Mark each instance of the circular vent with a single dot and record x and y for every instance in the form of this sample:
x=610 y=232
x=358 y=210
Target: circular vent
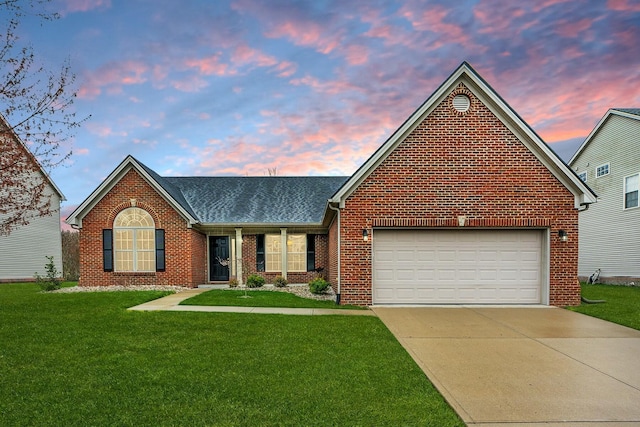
x=461 y=103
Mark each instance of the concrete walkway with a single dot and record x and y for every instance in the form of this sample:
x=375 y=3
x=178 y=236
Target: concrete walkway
x=519 y=367
x=172 y=303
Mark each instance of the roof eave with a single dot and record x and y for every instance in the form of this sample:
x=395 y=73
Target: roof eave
x=597 y=128
x=465 y=73
x=75 y=218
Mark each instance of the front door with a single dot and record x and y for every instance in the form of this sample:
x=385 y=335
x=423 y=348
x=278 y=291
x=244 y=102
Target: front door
x=219 y=258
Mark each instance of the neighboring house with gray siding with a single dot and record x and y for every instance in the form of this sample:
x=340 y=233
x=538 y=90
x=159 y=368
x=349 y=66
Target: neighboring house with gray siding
x=609 y=162
x=23 y=252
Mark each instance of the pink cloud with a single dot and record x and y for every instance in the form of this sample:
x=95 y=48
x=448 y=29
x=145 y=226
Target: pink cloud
x=210 y=66
x=623 y=5
x=81 y=151
x=329 y=87
x=286 y=69
x=244 y=54
x=573 y=29
x=72 y=6
x=189 y=84
x=112 y=77
x=356 y=54
x=305 y=33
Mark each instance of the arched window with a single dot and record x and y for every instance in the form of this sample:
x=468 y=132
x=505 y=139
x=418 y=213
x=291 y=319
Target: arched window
x=134 y=241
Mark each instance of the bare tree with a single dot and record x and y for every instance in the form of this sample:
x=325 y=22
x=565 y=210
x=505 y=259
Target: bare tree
x=36 y=118
x=272 y=171
x=71 y=255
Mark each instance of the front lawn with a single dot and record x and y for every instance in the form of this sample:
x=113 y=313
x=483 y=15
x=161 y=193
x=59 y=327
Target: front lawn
x=82 y=359
x=261 y=299
x=622 y=304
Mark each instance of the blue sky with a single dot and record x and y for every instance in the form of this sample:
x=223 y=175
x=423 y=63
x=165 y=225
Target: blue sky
x=314 y=87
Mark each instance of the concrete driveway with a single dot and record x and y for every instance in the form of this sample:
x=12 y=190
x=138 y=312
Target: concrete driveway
x=524 y=366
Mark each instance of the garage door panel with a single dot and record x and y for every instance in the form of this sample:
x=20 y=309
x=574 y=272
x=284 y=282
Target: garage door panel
x=452 y=266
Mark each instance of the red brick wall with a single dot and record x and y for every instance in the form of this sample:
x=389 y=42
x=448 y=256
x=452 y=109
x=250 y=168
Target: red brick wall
x=184 y=248
x=454 y=165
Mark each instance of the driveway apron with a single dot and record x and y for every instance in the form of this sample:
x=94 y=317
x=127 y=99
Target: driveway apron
x=530 y=366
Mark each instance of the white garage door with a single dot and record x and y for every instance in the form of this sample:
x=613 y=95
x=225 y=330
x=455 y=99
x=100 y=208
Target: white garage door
x=457 y=266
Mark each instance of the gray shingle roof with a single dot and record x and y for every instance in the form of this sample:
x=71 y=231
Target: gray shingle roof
x=634 y=111
x=255 y=200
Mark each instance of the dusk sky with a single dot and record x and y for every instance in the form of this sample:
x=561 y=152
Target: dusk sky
x=236 y=87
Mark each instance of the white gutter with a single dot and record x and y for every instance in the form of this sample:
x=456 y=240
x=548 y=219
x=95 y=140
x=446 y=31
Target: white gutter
x=339 y=287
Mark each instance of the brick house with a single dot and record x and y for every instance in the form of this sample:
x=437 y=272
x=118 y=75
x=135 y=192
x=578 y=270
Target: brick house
x=464 y=203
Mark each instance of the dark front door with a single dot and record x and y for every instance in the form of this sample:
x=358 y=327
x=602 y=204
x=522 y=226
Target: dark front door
x=219 y=258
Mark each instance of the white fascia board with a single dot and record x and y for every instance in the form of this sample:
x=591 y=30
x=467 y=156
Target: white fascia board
x=582 y=193
x=75 y=218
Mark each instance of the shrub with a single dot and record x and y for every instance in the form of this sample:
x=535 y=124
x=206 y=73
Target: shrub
x=280 y=282
x=52 y=280
x=255 y=281
x=318 y=286
x=233 y=283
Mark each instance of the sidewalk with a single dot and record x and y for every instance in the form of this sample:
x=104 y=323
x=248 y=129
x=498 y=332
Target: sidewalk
x=172 y=303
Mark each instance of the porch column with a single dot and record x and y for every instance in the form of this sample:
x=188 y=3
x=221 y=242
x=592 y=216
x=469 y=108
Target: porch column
x=238 y=259
x=283 y=250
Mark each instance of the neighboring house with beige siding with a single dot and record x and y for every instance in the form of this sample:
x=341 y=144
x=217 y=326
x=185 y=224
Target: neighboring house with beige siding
x=24 y=250
x=609 y=162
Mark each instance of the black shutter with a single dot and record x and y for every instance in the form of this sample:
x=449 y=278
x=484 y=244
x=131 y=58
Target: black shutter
x=107 y=250
x=260 y=252
x=311 y=252
x=160 y=250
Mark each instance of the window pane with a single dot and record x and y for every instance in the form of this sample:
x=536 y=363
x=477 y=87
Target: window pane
x=273 y=256
x=124 y=260
x=631 y=191
x=631 y=200
x=124 y=240
x=296 y=252
x=145 y=239
x=146 y=261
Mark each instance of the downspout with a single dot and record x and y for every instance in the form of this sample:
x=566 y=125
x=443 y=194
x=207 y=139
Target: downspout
x=339 y=275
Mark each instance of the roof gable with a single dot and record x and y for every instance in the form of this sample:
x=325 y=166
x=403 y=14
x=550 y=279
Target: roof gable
x=167 y=192
x=472 y=81
x=5 y=128
x=228 y=200
x=630 y=113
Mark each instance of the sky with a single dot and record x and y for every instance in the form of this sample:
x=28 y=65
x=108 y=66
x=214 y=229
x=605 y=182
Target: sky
x=238 y=87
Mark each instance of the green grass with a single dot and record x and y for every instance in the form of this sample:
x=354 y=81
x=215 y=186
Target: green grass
x=622 y=306
x=82 y=359
x=261 y=299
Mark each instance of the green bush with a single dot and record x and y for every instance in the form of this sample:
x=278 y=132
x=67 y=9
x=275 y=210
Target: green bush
x=280 y=282
x=255 y=281
x=52 y=280
x=233 y=283
x=318 y=286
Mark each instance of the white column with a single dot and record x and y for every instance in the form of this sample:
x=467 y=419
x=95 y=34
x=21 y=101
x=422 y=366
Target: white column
x=283 y=246
x=238 y=259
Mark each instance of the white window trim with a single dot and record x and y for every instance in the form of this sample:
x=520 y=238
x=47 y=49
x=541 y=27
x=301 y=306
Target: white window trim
x=601 y=166
x=624 y=191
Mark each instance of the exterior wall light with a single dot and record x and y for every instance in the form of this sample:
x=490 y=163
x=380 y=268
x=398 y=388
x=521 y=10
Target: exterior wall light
x=562 y=235
x=365 y=235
